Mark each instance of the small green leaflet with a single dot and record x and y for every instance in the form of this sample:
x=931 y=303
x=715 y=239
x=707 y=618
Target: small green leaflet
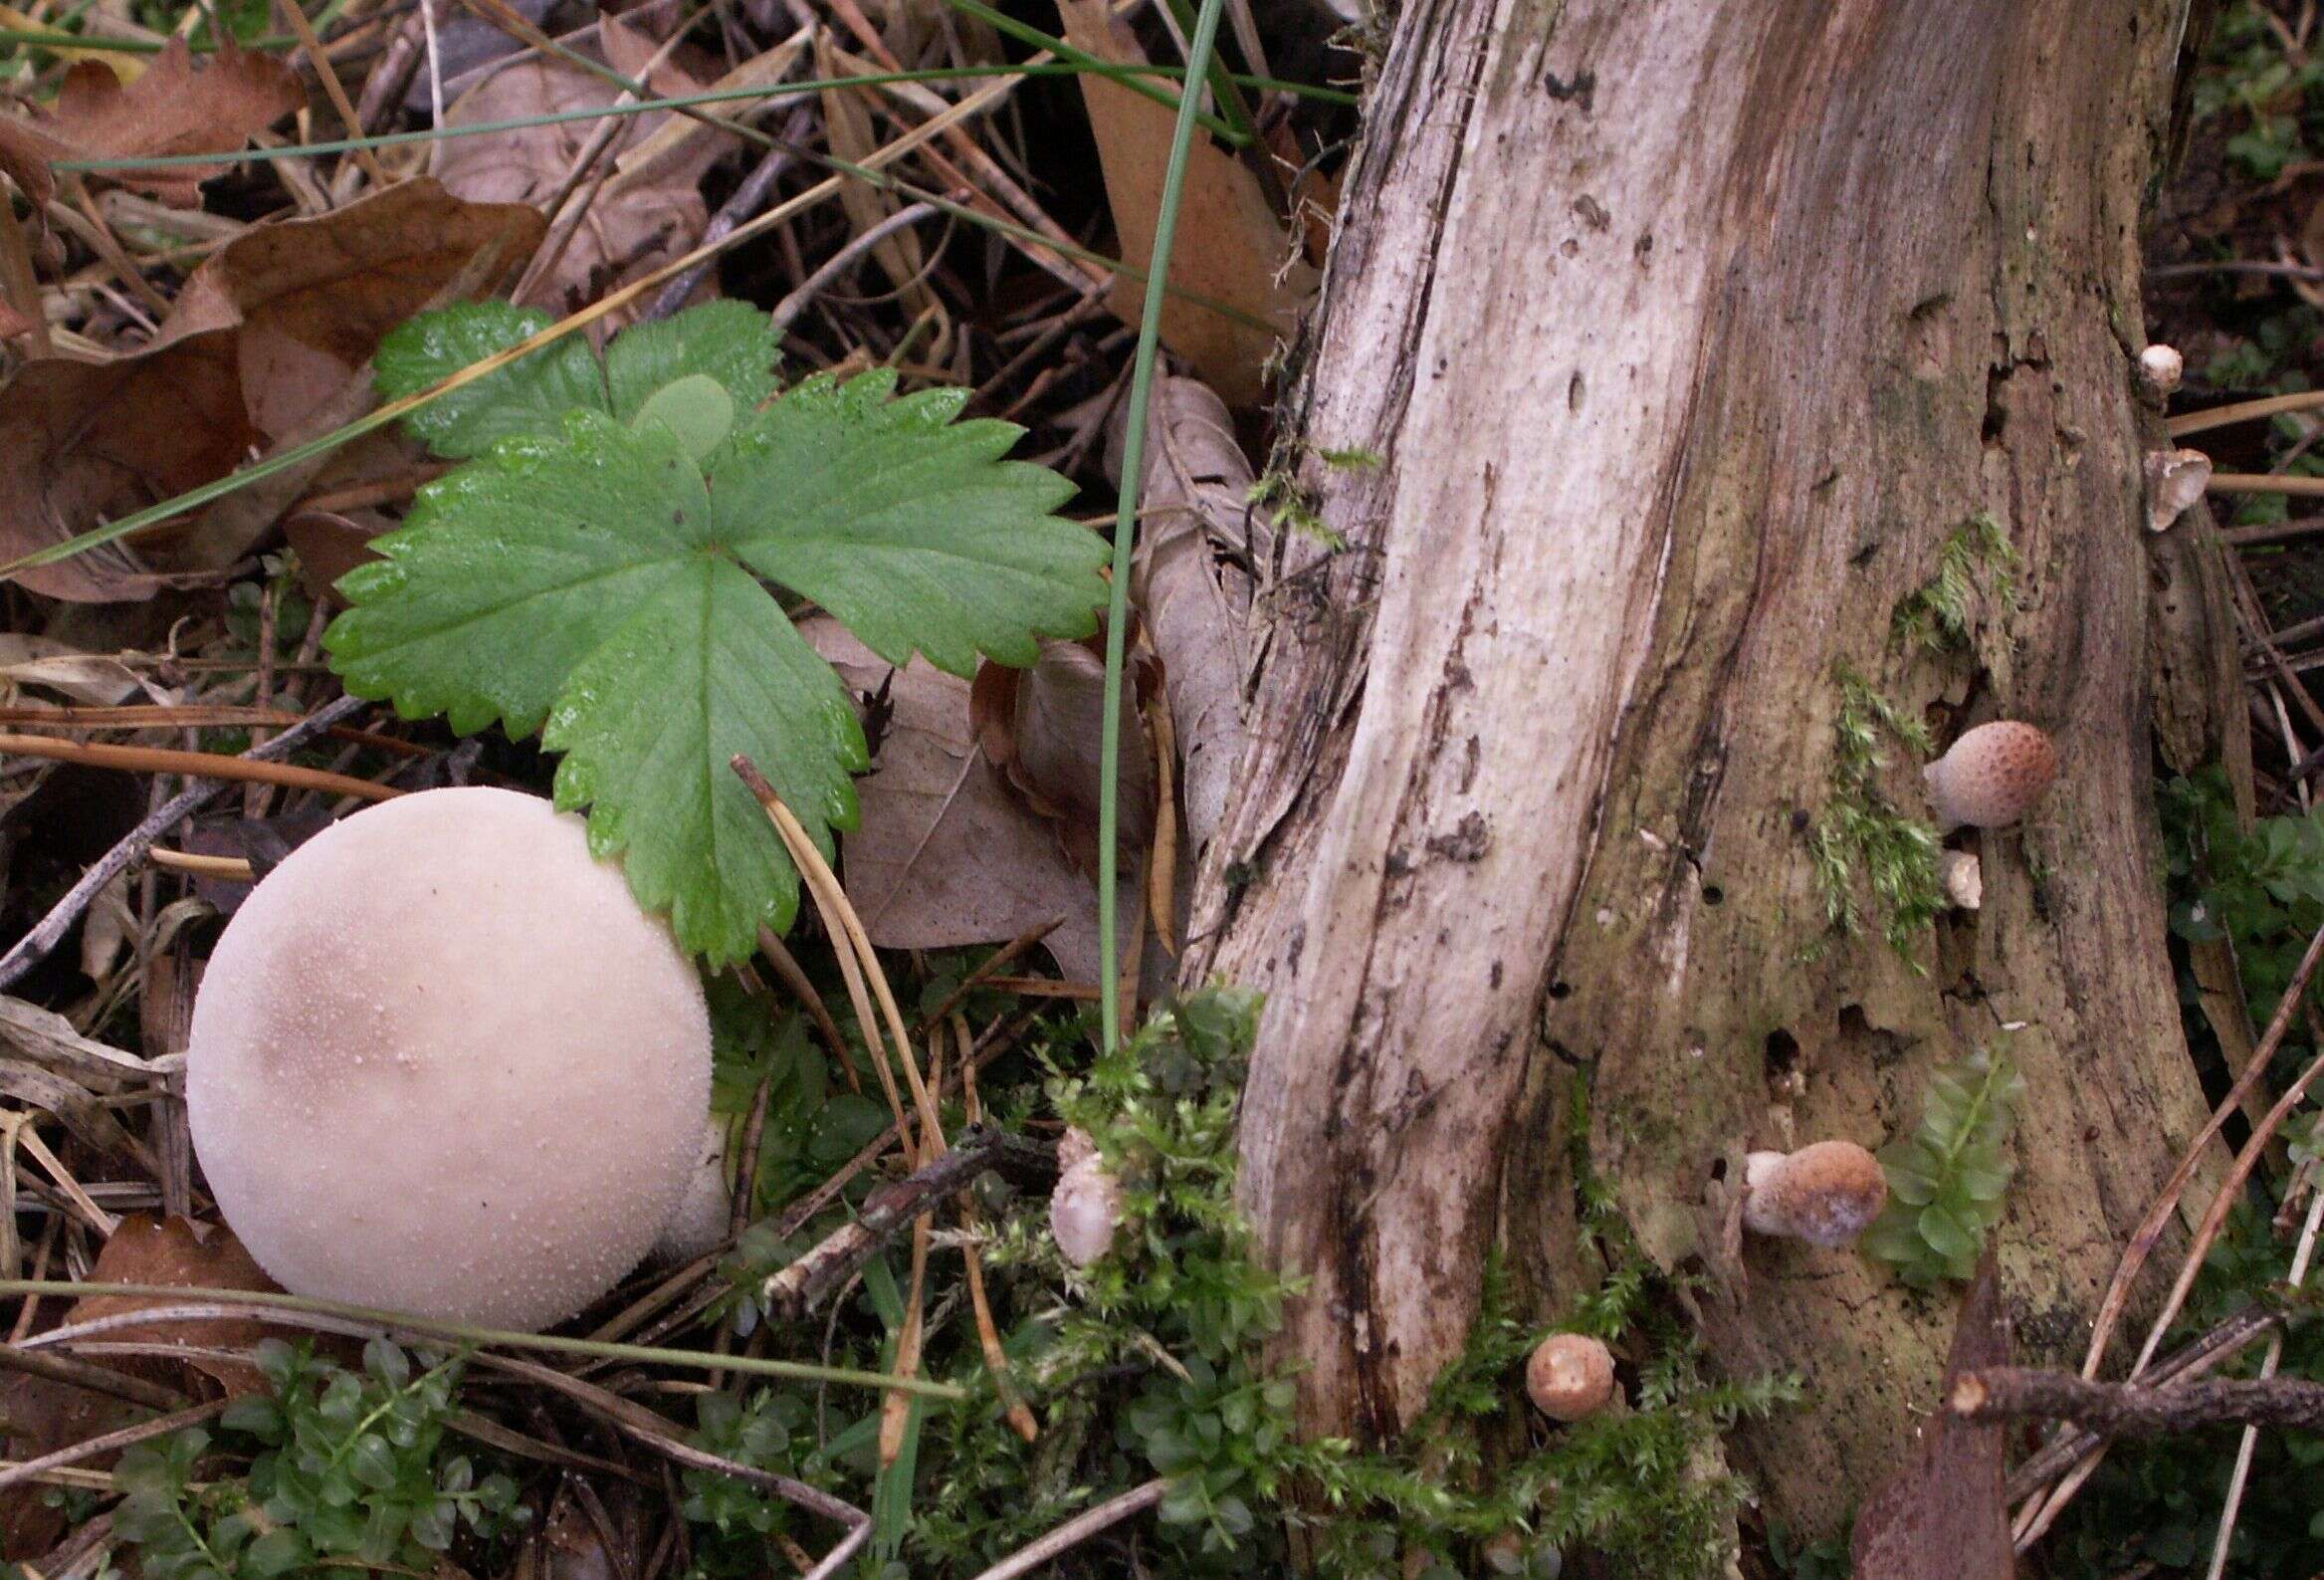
x=593 y=573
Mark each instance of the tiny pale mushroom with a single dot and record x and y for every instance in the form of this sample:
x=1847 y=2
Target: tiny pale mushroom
x=2159 y=370
x=442 y=1062
x=2176 y=479
x=1827 y=1193
x=1992 y=777
x=1085 y=1210
x=1963 y=878
x=1570 y=1375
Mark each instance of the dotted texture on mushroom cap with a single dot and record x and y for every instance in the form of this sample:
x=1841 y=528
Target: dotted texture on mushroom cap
x=442 y=1062
x=1570 y=1375
x=1992 y=776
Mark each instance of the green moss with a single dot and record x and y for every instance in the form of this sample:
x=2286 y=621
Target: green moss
x=1977 y=563
x=1861 y=837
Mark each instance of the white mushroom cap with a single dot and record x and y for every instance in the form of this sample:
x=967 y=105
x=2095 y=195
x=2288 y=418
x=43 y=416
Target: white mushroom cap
x=1964 y=879
x=442 y=1062
x=2176 y=479
x=1992 y=776
x=1568 y=1375
x=1083 y=1211
x=699 y=1225
x=2160 y=369
x=1825 y=1194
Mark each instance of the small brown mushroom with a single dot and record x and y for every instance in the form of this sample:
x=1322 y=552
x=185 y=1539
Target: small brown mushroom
x=1825 y=1194
x=1992 y=777
x=1570 y=1375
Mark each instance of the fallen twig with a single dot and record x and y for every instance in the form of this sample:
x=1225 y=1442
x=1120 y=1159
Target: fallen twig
x=1076 y=1532
x=794 y=1291
x=2124 y=1410
x=51 y=928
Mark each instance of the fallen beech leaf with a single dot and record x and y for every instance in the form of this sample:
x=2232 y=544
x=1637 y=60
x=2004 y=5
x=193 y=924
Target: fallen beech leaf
x=171 y=109
x=329 y=545
x=945 y=854
x=88 y=442
x=268 y=333
x=37 y=1417
x=178 y=1250
x=314 y=297
x=1041 y=728
x=1198 y=537
x=654 y=220
x=1943 y=1516
x=1232 y=246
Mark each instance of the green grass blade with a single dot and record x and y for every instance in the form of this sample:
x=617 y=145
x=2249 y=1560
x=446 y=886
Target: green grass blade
x=1165 y=231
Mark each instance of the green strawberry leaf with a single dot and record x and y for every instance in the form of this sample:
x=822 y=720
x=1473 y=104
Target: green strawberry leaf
x=730 y=342
x=530 y=396
x=599 y=580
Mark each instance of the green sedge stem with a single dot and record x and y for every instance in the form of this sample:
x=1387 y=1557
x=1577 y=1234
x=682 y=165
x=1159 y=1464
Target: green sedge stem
x=1165 y=231
x=1026 y=33
x=482 y=1338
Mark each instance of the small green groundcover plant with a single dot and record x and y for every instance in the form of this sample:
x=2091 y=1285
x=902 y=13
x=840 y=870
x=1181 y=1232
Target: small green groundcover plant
x=1147 y=1364
x=597 y=568
x=345 y=1472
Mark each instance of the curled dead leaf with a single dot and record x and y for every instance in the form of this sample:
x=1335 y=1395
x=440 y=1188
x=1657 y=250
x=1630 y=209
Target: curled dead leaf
x=1041 y=727
x=946 y=854
x=264 y=336
x=171 y=109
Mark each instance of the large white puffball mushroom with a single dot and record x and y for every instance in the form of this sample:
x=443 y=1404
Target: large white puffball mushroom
x=442 y=1063
x=699 y=1225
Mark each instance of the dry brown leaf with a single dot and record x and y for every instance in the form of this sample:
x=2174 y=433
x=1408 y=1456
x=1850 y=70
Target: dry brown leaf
x=1943 y=1516
x=946 y=854
x=178 y=1250
x=1041 y=728
x=266 y=335
x=171 y=109
x=314 y=297
x=1198 y=537
x=654 y=220
x=847 y=123
x=37 y=1417
x=82 y=443
x=1232 y=247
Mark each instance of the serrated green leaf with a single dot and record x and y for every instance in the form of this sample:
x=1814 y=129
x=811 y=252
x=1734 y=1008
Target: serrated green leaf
x=731 y=342
x=593 y=580
x=705 y=669
x=907 y=526
x=530 y=396
x=696 y=408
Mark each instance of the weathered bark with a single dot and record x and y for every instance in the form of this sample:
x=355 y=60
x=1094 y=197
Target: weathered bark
x=1687 y=333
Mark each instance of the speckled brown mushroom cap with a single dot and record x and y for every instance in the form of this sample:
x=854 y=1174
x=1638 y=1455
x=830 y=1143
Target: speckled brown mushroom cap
x=1568 y=1375
x=1827 y=1194
x=1992 y=776
x=442 y=1062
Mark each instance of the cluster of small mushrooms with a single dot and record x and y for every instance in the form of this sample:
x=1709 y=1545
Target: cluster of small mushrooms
x=442 y=1062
